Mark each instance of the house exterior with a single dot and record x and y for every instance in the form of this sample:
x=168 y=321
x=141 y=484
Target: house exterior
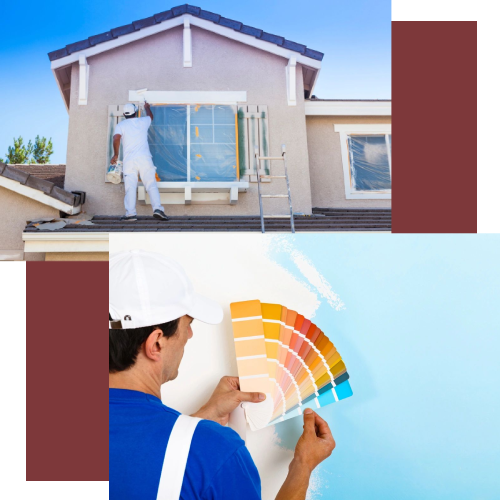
x=219 y=91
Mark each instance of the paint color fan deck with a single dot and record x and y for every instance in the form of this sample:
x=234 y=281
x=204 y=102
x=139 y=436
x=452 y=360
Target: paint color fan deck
x=285 y=355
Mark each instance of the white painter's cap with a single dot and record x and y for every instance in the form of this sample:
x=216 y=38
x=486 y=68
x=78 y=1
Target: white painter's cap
x=147 y=289
x=129 y=109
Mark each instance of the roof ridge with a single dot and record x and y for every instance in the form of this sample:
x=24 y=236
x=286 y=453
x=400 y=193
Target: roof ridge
x=176 y=12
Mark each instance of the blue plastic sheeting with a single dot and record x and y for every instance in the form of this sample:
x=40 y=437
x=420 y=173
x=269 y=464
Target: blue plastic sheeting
x=369 y=160
x=213 y=143
x=210 y=146
x=168 y=142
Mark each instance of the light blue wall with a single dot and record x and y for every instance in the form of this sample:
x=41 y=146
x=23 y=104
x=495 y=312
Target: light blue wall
x=420 y=335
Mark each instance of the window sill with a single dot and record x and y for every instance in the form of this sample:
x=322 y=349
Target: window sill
x=196 y=193
x=367 y=195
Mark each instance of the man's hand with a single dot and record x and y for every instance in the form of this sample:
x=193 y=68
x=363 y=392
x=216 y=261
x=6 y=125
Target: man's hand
x=114 y=159
x=147 y=108
x=226 y=397
x=316 y=443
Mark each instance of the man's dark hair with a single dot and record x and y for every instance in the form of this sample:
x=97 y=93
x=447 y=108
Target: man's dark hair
x=131 y=116
x=124 y=345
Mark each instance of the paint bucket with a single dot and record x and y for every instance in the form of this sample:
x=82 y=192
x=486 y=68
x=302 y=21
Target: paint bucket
x=114 y=173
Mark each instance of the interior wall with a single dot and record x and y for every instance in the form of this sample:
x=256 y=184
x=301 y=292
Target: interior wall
x=325 y=162
x=155 y=63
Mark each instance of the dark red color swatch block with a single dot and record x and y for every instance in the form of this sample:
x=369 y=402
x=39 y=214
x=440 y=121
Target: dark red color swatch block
x=66 y=371
x=434 y=109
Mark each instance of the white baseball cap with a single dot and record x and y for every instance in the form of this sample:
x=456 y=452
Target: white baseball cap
x=129 y=109
x=147 y=289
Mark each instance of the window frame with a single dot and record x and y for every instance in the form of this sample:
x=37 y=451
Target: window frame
x=189 y=182
x=344 y=131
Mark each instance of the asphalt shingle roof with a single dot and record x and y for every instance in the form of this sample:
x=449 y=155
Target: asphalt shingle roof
x=179 y=11
x=322 y=219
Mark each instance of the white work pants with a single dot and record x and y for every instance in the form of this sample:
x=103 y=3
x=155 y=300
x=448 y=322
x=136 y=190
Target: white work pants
x=144 y=167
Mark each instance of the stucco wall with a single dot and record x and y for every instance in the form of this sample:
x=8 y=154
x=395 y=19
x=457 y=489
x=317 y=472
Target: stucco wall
x=155 y=62
x=325 y=162
x=16 y=210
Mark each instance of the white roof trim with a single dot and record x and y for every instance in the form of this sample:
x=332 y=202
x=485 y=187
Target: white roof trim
x=363 y=128
x=194 y=21
x=39 y=196
x=66 y=242
x=348 y=108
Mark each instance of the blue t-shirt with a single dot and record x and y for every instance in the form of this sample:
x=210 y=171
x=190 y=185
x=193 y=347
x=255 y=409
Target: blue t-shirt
x=219 y=466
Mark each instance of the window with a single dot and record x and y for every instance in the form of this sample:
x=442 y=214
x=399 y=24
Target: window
x=369 y=162
x=193 y=143
x=366 y=158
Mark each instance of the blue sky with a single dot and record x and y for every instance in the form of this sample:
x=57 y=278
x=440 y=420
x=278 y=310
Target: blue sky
x=355 y=37
x=420 y=338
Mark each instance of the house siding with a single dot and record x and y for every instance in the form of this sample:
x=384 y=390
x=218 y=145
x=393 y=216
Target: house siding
x=325 y=162
x=16 y=210
x=219 y=64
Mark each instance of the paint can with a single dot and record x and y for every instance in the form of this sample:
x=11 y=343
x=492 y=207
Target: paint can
x=114 y=173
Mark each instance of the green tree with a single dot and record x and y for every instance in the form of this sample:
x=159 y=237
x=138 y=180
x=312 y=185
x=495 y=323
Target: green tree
x=19 y=153
x=42 y=150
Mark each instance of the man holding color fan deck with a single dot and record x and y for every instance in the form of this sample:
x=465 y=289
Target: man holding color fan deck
x=155 y=452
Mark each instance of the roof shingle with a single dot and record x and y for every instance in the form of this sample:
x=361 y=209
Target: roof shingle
x=44 y=185
x=322 y=219
x=179 y=11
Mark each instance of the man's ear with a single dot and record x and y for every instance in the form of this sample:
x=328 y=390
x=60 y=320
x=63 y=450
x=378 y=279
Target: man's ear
x=152 y=347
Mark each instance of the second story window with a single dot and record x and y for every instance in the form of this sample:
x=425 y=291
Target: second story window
x=194 y=143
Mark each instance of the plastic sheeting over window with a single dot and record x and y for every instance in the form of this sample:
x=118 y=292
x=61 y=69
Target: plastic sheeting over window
x=370 y=162
x=194 y=142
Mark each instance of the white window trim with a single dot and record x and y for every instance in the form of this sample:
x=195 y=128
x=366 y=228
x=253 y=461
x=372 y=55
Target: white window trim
x=188 y=97
x=234 y=187
x=344 y=130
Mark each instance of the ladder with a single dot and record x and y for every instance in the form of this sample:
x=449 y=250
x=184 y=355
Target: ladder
x=261 y=175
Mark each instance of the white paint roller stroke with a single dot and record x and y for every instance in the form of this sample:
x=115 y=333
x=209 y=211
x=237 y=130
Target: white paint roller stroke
x=307 y=269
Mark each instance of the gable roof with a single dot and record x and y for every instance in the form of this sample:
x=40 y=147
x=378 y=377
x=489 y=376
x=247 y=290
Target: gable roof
x=177 y=12
x=54 y=173
x=41 y=190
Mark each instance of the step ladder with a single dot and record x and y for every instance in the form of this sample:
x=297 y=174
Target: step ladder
x=261 y=174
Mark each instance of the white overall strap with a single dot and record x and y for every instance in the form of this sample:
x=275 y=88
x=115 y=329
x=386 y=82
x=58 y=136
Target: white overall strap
x=176 y=455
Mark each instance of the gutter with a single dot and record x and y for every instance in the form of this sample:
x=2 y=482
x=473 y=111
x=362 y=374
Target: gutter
x=66 y=242
x=348 y=108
